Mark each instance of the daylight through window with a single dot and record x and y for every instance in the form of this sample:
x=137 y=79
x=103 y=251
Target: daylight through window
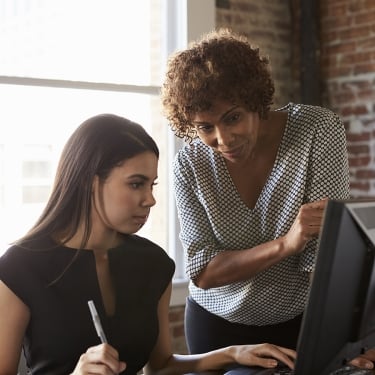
x=60 y=63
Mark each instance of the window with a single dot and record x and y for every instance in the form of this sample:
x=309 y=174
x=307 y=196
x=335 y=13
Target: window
x=65 y=61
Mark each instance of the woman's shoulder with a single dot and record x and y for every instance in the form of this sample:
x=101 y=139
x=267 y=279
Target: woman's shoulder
x=25 y=257
x=196 y=157
x=22 y=268
x=15 y=254
x=310 y=113
x=193 y=151
x=12 y=255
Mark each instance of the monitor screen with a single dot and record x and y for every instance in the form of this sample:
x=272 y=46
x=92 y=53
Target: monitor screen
x=339 y=321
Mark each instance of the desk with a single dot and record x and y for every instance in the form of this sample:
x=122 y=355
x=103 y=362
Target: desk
x=243 y=370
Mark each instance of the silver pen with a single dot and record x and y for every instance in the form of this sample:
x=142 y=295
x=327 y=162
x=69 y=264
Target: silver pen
x=96 y=320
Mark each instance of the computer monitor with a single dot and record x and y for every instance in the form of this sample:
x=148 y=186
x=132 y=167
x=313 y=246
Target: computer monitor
x=339 y=321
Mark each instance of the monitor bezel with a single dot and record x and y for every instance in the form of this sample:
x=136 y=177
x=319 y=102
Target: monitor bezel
x=313 y=357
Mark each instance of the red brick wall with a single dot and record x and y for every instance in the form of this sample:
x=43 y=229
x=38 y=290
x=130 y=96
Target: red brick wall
x=176 y=318
x=268 y=25
x=348 y=67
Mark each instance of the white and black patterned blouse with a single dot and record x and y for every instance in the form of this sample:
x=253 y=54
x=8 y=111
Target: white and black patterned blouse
x=311 y=164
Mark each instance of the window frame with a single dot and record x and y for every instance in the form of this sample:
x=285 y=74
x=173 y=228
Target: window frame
x=191 y=18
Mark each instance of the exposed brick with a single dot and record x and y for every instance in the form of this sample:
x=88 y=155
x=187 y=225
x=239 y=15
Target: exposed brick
x=354 y=110
x=222 y=4
x=356 y=58
x=337 y=48
x=359 y=161
x=176 y=318
x=364 y=68
x=176 y=314
x=362 y=137
x=224 y=19
x=343 y=97
x=365 y=17
x=359 y=6
x=364 y=186
x=341 y=71
x=268 y=25
x=365 y=174
x=355 y=33
x=179 y=331
x=338 y=22
x=333 y=10
x=330 y=36
x=366 y=95
x=356 y=85
x=246 y=6
x=358 y=149
x=348 y=47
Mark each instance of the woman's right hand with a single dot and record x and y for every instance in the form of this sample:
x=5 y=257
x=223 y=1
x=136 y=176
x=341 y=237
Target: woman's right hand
x=101 y=359
x=306 y=226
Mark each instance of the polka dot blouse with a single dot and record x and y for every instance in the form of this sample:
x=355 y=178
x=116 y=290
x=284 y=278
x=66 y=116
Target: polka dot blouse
x=311 y=164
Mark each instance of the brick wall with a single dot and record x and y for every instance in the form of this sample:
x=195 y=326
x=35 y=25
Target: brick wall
x=348 y=68
x=176 y=318
x=268 y=25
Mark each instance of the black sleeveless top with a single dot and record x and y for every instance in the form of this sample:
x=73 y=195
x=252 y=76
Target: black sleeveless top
x=61 y=327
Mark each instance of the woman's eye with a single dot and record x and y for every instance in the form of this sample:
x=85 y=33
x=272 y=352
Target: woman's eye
x=204 y=128
x=234 y=117
x=136 y=185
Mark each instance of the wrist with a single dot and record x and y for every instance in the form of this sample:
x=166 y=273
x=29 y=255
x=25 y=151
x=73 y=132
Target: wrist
x=287 y=247
x=231 y=354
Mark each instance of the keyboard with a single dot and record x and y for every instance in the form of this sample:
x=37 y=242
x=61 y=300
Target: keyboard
x=283 y=370
x=345 y=370
x=352 y=370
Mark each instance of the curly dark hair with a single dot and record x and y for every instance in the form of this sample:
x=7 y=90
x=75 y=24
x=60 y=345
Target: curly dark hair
x=220 y=65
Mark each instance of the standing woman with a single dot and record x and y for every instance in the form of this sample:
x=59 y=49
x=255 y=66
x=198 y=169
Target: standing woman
x=251 y=186
x=83 y=248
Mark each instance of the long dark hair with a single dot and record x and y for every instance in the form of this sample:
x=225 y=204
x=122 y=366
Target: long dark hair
x=97 y=146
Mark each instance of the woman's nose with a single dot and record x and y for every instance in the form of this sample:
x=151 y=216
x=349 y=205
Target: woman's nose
x=223 y=137
x=149 y=199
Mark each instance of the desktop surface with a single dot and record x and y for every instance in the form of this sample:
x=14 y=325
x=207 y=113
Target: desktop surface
x=344 y=370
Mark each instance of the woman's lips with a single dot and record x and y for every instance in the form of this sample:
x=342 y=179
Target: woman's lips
x=140 y=219
x=234 y=153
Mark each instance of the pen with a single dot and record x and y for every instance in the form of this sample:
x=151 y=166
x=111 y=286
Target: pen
x=96 y=320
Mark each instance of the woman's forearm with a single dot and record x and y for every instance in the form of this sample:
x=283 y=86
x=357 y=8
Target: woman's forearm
x=233 y=266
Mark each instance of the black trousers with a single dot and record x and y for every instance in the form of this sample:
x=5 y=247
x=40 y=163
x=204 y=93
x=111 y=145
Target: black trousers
x=206 y=331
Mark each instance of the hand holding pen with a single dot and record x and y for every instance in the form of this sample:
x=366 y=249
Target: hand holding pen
x=102 y=358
